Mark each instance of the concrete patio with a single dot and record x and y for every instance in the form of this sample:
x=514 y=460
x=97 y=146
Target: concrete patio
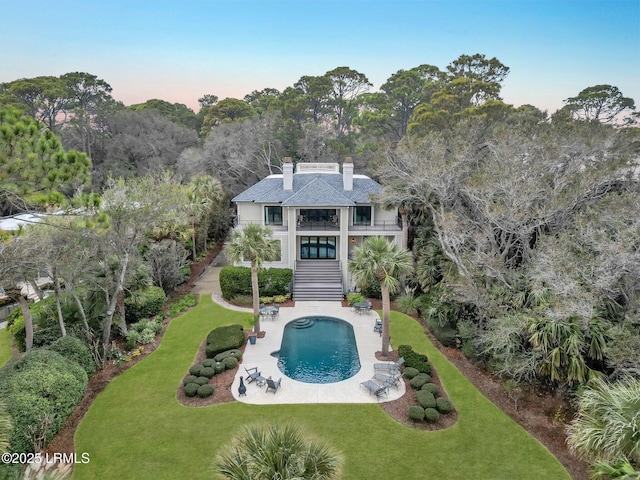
x=292 y=391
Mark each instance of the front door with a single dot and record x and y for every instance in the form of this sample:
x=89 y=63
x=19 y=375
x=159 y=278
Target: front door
x=318 y=248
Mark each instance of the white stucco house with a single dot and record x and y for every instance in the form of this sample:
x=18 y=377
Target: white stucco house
x=318 y=214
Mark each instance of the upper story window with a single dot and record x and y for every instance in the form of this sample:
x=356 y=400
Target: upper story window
x=362 y=215
x=273 y=215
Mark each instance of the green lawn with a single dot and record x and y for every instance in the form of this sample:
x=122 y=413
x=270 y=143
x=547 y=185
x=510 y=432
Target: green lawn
x=137 y=429
x=5 y=346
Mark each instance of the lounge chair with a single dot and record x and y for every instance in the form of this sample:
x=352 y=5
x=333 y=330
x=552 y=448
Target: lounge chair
x=272 y=385
x=252 y=374
x=374 y=388
x=391 y=368
x=387 y=380
x=377 y=328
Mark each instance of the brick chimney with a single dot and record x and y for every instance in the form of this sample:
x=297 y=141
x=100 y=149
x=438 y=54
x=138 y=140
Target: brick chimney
x=347 y=173
x=287 y=174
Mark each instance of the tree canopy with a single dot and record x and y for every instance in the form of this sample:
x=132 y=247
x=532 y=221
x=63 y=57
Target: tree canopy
x=34 y=168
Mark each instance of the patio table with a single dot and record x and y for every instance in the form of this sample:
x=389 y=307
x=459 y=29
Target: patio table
x=362 y=307
x=269 y=311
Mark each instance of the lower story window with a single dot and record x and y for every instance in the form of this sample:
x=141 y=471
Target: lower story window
x=317 y=248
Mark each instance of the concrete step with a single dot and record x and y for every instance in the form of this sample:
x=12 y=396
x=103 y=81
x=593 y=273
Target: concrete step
x=318 y=280
x=328 y=278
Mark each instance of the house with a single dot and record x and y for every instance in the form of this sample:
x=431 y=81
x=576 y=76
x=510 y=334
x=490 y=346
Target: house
x=318 y=214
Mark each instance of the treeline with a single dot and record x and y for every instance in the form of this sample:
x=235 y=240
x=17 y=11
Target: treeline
x=321 y=117
x=523 y=224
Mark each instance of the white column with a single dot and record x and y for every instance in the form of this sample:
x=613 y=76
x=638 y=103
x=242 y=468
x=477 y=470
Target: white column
x=344 y=245
x=293 y=240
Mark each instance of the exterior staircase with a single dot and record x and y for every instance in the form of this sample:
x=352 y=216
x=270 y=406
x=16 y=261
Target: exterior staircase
x=318 y=280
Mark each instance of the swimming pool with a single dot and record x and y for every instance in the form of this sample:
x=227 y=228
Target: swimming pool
x=318 y=350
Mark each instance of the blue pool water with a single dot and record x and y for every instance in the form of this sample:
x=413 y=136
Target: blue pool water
x=318 y=350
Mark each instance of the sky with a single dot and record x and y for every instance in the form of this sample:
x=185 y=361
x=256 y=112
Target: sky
x=180 y=50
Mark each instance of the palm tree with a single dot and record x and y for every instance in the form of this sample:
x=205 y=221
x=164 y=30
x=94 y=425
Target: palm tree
x=270 y=451
x=254 y=244
x=620 y=468
x=203 y=192
x=377 y=260
x=608 y=421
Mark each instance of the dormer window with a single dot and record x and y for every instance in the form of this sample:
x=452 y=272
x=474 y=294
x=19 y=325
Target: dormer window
x=273 y=215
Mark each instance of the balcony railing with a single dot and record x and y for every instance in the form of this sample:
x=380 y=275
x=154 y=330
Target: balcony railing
x=328 y=225
x=305 y=225
x=390 y=225
x=273 y=227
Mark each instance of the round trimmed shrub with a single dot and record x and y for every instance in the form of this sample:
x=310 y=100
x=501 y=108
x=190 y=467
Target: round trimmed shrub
x=196 y=369
x=230 y=363
x=190 y=389
x=189 y=379
x=426 y=399
x=443 y=405
x=431 y=415
x=201 y=380
x=431 y=387
x=410 y=372
x=419 y=380
x=234 y=352
x=208 y=372
x=416 y=414
x=205 y=391
x=208 y=362
x=218 y=367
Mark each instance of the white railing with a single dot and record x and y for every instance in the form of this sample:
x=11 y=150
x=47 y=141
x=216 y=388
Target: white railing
x=387 y=225
x=317 y=168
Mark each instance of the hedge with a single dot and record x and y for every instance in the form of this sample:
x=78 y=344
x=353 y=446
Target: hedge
x=235 y=281
x=77 y=350
x=230 y=363
x=410 y=372
x=189 y=379
x=431 y=415
x=229 y=353
x=426 y=399
x=419 y=380
x=431 y=387
x=224 y=338
x=446 y=334
x=416 y=414
x=190 y=389
x=144 y=304
x=205 y=391
x=443 y=405
x=39 y=385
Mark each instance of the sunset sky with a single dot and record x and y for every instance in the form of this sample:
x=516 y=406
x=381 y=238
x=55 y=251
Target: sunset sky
x=180 y=50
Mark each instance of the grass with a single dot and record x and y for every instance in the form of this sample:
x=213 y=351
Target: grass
x=137 y=429
x=5 y=346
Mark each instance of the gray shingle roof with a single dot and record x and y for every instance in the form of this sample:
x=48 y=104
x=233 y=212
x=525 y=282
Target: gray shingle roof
x=311 y=189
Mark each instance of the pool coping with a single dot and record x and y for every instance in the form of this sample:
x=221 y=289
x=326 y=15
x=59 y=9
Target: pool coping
x=293 y=391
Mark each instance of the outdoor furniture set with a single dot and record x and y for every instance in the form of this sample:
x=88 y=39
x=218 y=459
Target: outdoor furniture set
x=386 y=375
x=253 y=375
x=362 y=307
x=269 y=313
